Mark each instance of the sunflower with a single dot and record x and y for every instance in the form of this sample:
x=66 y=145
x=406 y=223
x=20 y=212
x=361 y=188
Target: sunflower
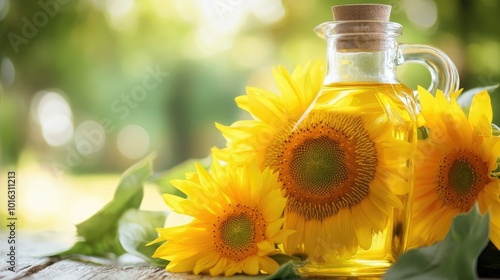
x=345 y=170
x=341 y=172
x=272 y=112
x=237 y=220
x=454 y=166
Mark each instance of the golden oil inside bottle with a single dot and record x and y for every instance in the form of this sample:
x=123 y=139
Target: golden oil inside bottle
x=392 y=108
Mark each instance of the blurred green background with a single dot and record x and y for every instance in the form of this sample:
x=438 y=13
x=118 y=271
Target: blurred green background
x=91 y=86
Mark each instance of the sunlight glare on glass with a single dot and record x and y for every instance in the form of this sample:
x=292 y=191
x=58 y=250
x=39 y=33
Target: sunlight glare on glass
x=133 y=141
x=51 y=110
x=422 y=13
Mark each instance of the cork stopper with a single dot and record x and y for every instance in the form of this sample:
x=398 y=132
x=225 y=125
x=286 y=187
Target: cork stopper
x=358 y=12
x=363 y=26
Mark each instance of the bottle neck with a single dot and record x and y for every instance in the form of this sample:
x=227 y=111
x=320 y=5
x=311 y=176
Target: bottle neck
x=347 y=63
x=360 y=51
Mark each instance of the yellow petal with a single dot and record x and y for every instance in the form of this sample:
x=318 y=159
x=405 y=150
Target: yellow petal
x=265 y=248
x=362 y=229
x=173 y=201
x=265 y=106
x=243 y=102
x=281 y=235
x=233 y=268
x=204 y=263
x=184 y=265
x=274 y=226
x=219 y=267
x=286 y=86
x=251 y=266
x=311 y=230
x=426 y=102
x=268 y=265
x=456 y=94
x=495 y=224
x=346 y=229
x=273 y=205
x=480 y=106
x=294 y=222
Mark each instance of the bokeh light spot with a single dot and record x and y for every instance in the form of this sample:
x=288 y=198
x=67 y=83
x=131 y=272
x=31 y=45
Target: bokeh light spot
x=4 y=8
x=57 y=130
x=133 y=141
x=7 y=71
x=422 y=13
x=89 y=137
x=51 y=110
x=252 y=51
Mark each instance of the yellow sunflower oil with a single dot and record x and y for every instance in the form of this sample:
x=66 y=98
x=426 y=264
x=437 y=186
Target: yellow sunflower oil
x=388 y=241
x=347 y=164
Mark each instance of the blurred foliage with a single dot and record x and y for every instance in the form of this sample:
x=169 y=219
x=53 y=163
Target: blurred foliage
x=97 y=52
x=100 y=234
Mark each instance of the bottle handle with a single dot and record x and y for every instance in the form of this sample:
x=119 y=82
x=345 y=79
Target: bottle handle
x=444 y=74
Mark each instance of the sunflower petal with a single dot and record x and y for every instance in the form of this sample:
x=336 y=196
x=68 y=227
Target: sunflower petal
x=481 y=106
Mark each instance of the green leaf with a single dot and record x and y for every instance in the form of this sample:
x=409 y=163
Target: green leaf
x=453 y=258
x=422 y=133
x=299 y=260
x=99 y=232
x=137 y=228
x=465 y=99
x=289 y=265
x=286 y=271
x=177 y=172
x=107 y=246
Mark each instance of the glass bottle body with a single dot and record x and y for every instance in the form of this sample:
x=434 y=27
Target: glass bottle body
x=388 y=240
x=359 y=223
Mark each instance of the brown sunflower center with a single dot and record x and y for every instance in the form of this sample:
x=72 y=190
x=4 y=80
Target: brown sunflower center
x=237 y=233
x=325 y=164
x=460 y=179
x=318 y=165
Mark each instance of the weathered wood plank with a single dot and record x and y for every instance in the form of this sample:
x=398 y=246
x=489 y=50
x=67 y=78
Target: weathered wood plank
x=67 y=269
x=24 y=266
x=30 y=266
x=71 y=269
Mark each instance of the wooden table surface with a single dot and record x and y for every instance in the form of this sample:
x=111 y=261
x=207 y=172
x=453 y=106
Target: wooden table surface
x=30 y=263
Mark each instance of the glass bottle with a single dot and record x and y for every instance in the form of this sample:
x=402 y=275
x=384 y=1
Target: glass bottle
x=351 y=216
